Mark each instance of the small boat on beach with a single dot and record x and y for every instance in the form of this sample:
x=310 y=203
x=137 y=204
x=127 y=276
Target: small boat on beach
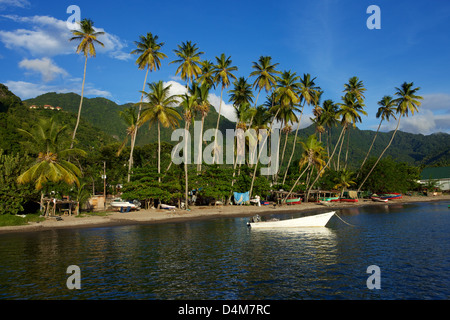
x=119 y=203
x=348 y=200
x=391 y=196
x=378 y=199
x=318 y=220
x=294 y=201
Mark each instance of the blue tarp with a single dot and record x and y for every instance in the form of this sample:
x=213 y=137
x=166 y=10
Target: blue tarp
x=241 y=198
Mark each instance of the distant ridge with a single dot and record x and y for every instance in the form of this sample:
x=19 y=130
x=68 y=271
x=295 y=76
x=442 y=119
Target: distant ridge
x=416 y=149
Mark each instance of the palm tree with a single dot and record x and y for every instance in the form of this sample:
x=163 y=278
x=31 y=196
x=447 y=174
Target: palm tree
x=189 y=60
x=222 y=74
x=344 y=180
x=87 y=37
x=202 y=105
x=149 y=58
x=159 y=110
x=265 y=74
x=188 y=104
x=312 y=156
x=350 y=109
x=207 y=74
x=130 y=117
x=349 y=113
x=51 y=164
x=385 y=111
x=406 y=102
x=328 y=119
x=309 y=93
x=356 y=87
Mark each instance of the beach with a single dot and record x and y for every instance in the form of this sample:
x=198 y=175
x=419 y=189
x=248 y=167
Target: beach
x=149 y=216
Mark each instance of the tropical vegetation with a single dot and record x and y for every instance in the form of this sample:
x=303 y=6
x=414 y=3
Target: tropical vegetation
x=37 y=154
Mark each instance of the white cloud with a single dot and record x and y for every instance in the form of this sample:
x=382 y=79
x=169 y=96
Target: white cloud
x=227 y=110
x=49 y=36
x=436 y=101
x=45 y=66
x=14 y=3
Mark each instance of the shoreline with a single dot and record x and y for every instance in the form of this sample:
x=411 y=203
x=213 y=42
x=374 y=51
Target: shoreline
x=153 y=216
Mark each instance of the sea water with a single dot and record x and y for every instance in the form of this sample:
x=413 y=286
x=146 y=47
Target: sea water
x=224 y=259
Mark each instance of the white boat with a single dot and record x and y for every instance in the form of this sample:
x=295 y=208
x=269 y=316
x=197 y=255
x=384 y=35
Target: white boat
x=378 y=199
x=166 y=206
x=318 y=220
x=119 y=203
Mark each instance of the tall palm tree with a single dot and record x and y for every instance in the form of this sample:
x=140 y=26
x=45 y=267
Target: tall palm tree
x=159 y=109
x=309 y=93
x=149 y=58
x=350 y=110
x=188 y=103
x=287 y=95
x=350 y=113
x=356 y=87
x=87 y=37
x=189 y=60
x=207 y=74
x=385 y=111
x=51 y=164
x=265 y=74
x=202 y=106
x=129 y=115
x=329 y=119
x=407 y=101
x=313 y=155
x=222 y=74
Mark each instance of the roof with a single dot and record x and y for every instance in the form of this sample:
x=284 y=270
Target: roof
x=435 y=173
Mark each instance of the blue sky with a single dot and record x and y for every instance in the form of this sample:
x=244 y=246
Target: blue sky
x=328 y=39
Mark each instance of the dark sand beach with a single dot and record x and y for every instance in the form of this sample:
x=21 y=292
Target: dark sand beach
x=115 y=218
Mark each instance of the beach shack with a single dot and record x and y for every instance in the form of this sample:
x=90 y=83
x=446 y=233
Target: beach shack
x=439 y=174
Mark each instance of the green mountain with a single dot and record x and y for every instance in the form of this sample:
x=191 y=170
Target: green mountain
x=102 y=114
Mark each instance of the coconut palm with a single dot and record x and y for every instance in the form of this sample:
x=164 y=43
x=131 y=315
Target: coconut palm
x=87 y=37
x=189 y=60
x=349 y=112
x=344 y=180
x=51 y=164
x=265 y=74
x=407 y=101
x=159 y=109
x=202 y=106
x=329 y=119
x=222 y=74
x=356 y=87
x=207 y=74
x=385 y=111
x=149 y=58
x=309 y=94
x=312 y=156
x=129 y=115
x=188 y=103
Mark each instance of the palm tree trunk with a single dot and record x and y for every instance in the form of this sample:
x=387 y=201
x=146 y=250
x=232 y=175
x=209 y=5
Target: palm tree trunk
x=81 y=104
x=381 y=155
x=217 y=127
x=282 y=154
x=159 y=151
x=199 y=158
x=296 y=182
x=186 y=183
x=339 y=154
x=293 y=146
x=346 y=153
x=259 y=155
x=328 y=163
x=133 y=137
x=370 y=149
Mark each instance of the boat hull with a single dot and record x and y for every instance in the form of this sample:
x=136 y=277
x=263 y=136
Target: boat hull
x=318 y=220
x=379 y=199
x=348 y=200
